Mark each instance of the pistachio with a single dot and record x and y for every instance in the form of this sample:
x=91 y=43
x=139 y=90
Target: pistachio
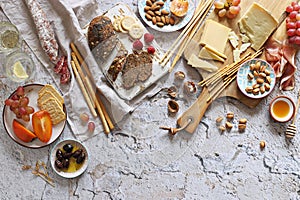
x=228 y=125
x=173 y=106
x=255 y=86
x=262 y=68
x=219 y=120
x=230 y=116
x=267 y=72
x=160 y=24
x=243 y=121
x=255 y=73
x=179 y=75
x=172 y=91
x=252 y=66
x=257 y=65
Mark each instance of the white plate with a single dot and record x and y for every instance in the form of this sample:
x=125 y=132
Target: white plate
x=76 y=144
x=31 y=92
x=243 y=82
x=184 y=21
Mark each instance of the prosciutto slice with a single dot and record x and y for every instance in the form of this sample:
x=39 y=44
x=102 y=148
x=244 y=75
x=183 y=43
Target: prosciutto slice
x=281 y=56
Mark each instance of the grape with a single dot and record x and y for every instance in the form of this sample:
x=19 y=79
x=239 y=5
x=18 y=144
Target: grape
x=222 y=12
x=296 y=7
x=234 y=10
x=236 y=2
x=20 y=91
x=289 y=9
x=291 y=32
x=15 y=97
x=8 y=102
x=297 y=24
x=291 y=25
x=22 y=111
x=15 y=104
x=219 y=5
x=297 y=39
x=24 y=101
x=91 y=127
x=26 y=118
x=294 y=3
x=29 y=109
x=18 y=115
x=298 y=31
x=293 y=14
x=292 y=40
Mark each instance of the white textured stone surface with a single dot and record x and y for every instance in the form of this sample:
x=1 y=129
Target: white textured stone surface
x=140 y=161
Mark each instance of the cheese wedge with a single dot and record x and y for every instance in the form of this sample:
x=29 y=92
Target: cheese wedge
x=215 y=35
x=201 y=64
x=258 y=24
x=207 y=54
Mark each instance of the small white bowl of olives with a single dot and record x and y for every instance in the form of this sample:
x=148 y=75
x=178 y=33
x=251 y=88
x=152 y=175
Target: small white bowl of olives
x=69 y=158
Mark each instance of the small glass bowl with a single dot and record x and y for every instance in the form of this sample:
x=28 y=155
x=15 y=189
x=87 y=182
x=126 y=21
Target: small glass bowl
x=9 y=37
x=19 y=66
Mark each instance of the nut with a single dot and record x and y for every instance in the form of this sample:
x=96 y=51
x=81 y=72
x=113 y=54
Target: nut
x=255 y=86
x=262 y=75
x=160 y=3
x=262 y=145
x=149 y=3
x=268 y=79
x=155 y=7
x=262 y=89
x=173 y=106
x=257 y=65
x=167 y=20
x=267 y=72
x=252 y=66
x=179 y=75
x=172 y=21
x=153 y=20
x=250 y=76
x=158 y=19
x=241 y=127
x=267 y=86
x=190 y=87
x=230 y=116
x=260 y=81
x=219 y=120
x=249 y=89
x=158 y=13
x=165 y=12
x=262 y=68
x=160 y=24
x=172 y=91
x=228 y=125
x=243 y=121
x=222 y=128
x=255 y=91
x=163 y=19
x=255 y=73
x=148 y=17
x=146 y=8
x=150 y=12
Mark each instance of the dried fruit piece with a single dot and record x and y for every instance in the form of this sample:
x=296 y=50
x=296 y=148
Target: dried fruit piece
x=151 y=50
x=241 y=127
x=222 y=128
x=148 y=37
x=230 y=116
x=243 y=121
x=228 y=125
x=219 y=120
x=138 y=45
x=262 y=145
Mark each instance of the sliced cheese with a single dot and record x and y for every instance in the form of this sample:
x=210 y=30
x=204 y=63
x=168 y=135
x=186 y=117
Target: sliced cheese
x=233 y=39
x=244 y=47
x=201 y=64
x=236 y=55
x=258 y=24
x=206 y=54
x=215 y=35
x=214 y=51
x=245 y=38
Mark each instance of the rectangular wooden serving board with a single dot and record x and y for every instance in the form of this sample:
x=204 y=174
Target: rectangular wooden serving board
x=277 y=8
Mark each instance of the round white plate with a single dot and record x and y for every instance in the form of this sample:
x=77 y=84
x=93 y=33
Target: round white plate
x=31 y=91
x=76 y=145
x=168 y=28
x=243 y=82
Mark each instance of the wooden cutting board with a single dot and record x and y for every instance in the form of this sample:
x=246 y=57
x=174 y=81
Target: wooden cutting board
x=197 y=110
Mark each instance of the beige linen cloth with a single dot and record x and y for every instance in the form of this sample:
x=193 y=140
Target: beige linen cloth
x=69 y=17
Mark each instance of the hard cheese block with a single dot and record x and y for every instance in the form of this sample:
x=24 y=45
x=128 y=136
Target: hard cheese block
x=257 y=24
x=215 y=35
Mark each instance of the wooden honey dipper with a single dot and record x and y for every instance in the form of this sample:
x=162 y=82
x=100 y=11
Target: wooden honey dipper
x=292 y=129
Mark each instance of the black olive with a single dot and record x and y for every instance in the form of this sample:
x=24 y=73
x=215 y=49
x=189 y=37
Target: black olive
x=59 y=154
x=66 y=163
x=59 y=164
x=67 y=155
x=77 y=153
x=80 y=158
x=68 y=147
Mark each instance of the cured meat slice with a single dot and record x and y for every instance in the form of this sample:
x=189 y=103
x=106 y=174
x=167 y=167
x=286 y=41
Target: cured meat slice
x=281 y=56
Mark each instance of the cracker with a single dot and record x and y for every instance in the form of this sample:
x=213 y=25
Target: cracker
x=47 y=95
x=51 y=89
x=56 y=112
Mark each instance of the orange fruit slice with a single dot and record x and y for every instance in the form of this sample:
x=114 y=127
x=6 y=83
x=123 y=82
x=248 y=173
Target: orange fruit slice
x=22 y=132
x=179 y=8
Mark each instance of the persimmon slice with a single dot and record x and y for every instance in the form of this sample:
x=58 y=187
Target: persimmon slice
x=22 y=132
x=42 y=125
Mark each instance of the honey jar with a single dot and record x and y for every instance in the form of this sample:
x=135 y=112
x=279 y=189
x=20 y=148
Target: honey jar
x=282 y=109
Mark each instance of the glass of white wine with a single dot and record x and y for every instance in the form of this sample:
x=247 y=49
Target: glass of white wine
x=9 y=37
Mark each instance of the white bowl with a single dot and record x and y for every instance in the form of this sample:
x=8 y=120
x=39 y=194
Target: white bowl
x=77 y=145
x=289 y=103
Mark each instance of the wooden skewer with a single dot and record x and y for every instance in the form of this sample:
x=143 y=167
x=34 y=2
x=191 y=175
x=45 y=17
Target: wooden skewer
x=190 y=35
x=90 y=93
x=84 y=92
x=92 y=84
x=183 y=34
